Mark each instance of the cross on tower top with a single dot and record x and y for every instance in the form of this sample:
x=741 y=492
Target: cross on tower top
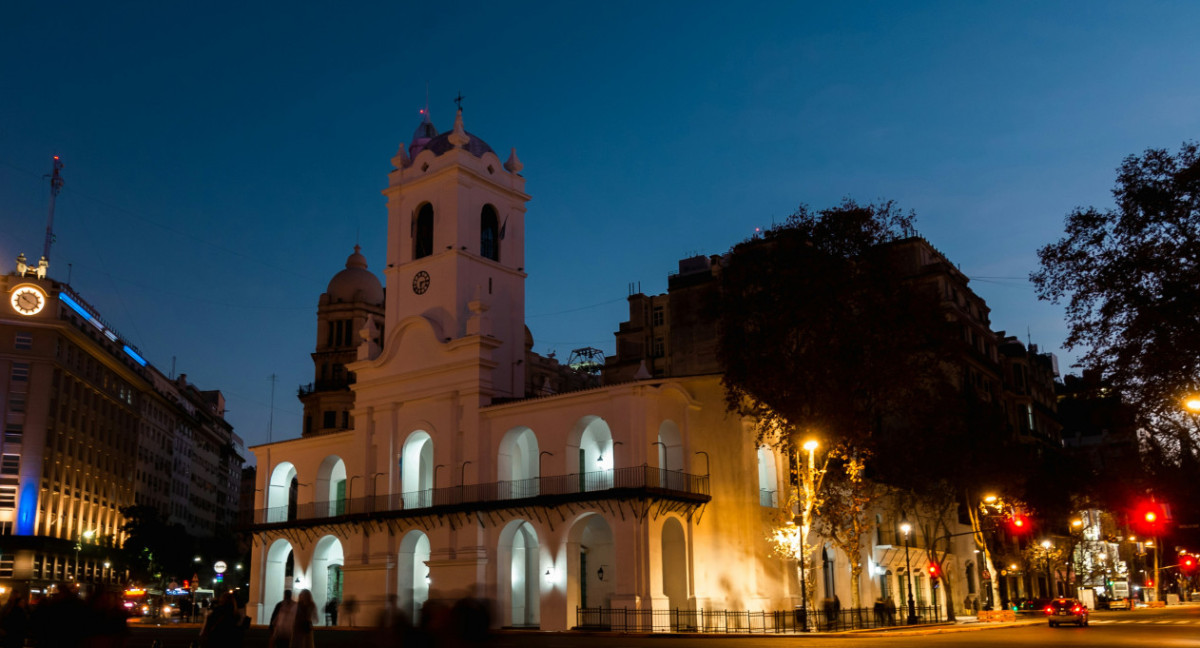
x=458 y=100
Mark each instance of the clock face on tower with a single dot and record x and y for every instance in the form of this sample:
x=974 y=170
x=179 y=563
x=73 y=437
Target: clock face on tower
x=421 y=282
x=28 y=300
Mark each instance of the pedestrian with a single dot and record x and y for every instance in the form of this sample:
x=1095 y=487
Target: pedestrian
x=109 y=625
x=331 y=611
x=306 y=618
x=880 y=611
x=224 y=625
x=61 y=620
x=351 y=606
x=14 y=619
x=890 y=609
x=283 y=617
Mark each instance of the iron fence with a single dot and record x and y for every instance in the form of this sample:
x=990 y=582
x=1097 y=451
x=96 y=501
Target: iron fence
x=669 y=482
x=749 y=621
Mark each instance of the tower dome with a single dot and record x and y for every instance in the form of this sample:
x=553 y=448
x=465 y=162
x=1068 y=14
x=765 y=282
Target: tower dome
x=426 y=138
x=355 y=283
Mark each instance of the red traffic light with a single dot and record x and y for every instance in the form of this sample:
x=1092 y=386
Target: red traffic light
x=934 y=571
x=1187 y=563
x=1018 y=523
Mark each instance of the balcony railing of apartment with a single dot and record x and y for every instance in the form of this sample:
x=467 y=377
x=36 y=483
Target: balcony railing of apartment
x=634 y=480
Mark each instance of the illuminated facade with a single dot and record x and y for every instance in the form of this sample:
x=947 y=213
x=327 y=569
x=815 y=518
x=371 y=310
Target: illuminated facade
x=474 y=467
x=91 y=427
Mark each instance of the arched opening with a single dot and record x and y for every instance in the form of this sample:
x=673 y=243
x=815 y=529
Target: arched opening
x=828 y=572
x=518 y=463
x=423 y=232
x=670 y=456
x=592 y=564
x=416 y=470
x=674 y=565
x=489 y=233
x=277 y=576
x=590 y=455
x=281 y=493
x=326 y=572
x=767 y=488
x=413 y=587
x=519 y=575
x=330 y=488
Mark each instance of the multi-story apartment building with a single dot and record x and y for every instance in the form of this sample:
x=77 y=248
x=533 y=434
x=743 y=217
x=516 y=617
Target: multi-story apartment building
x=90 y=427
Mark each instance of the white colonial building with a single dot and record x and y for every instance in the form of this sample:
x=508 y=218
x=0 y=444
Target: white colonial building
x=468 y=468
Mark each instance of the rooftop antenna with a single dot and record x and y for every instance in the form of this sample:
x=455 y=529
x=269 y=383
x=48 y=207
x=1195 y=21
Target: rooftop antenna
x=56 y=183
x=271 y=416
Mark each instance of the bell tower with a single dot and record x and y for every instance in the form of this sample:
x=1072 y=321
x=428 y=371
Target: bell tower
x=456 y=250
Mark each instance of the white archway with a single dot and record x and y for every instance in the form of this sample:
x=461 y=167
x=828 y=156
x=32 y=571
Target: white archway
x=590 y=453
x=674 y=565
x=518 y=575
x=670 y=456
x=517 y=463
x=275 y=577
x=591 y=564
x=281 y=500
x=413 y=574
x=326 y=572
x=768 y=488
x=330 y=489
x=416 y=470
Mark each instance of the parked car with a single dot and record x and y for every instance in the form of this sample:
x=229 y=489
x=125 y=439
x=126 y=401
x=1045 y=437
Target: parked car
x=1067 y=610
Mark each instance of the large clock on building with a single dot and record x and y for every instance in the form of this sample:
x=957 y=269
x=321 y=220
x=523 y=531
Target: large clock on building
x=421 y=282
x=28 y=300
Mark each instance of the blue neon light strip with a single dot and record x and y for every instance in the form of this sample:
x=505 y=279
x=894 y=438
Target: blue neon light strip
x=133 y=354
x=66 y=299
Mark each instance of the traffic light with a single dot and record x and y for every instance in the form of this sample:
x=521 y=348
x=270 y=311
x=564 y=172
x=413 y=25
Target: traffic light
x=1018 y=523
x=935 y=573
x=1187 y=564
x=1150 y=518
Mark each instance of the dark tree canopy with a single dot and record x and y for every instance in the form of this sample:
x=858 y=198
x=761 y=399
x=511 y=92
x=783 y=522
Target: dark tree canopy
x=1131 y=275
x=819 y=329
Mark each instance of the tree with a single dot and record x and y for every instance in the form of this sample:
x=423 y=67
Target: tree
x=1131 y=276
x=819 y=333
x=843 y=514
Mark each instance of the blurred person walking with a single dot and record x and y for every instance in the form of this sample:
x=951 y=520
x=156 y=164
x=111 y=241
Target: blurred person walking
x=283 y=617
x=306 y=618
x=15 y=620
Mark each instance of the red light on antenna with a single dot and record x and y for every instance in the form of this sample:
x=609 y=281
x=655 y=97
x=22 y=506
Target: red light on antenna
x=55 y=157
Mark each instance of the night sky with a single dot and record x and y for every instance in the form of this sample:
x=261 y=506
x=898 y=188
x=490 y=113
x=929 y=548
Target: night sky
x=222 y=161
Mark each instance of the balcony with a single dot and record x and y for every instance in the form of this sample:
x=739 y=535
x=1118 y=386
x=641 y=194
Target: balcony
x=620 y=483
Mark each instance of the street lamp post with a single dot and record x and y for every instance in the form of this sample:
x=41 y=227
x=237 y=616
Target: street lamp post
x=803 y=620
x=1049 y=586
x=905 y=527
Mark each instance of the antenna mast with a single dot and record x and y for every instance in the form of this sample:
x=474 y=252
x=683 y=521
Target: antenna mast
x=56 y=183
x=271 y=417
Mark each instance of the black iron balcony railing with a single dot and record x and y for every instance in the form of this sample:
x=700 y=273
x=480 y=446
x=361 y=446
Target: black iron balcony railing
x=618 y=482
x=822 y=619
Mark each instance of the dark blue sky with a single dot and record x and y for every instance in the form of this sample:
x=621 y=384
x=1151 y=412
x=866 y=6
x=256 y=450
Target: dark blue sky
x=221 y=161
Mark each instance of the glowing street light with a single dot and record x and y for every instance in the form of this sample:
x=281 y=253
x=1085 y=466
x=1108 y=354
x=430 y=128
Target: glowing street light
x=905 y=527
x=1049 y=585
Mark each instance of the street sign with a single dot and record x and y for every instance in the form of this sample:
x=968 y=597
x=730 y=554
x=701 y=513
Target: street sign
x=987 y=575
x=220 y=567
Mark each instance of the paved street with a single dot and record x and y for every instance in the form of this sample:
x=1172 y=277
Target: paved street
x=1176 y=626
